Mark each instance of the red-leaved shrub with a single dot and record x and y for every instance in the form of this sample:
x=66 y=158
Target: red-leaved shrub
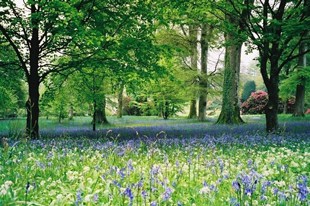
x=255 y=104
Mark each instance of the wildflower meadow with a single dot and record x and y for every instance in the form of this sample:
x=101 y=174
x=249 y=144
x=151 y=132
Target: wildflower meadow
x=233 y=166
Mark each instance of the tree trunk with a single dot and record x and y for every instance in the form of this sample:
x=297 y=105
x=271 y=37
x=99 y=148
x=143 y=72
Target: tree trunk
x=32 y=106
x=192 y=109
x=94 y=115
x=300 y=100
x=120 y=101
x=101 y=117
x=230 y=112
x=32 y=125
x=285 y=106
x=300 y=88
x=271 y=109
x=193 y=41
x=165 y=109
x=71 y=111
x=202 y=103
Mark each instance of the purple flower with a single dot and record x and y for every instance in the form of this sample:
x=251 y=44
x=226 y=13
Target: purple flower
x=144 y=194
x=154 y=203
x=302 y=191
x=275 y=191
x=265 y=185
x=248 y=191
x=78 y=197
x=128 y=193
x=236 y=185
x=167 y=194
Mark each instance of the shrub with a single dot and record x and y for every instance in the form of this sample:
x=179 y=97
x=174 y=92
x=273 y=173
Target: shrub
x=289 y=103
x=255 y=104
x=248 y=88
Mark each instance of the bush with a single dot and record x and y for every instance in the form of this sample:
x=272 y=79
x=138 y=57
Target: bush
x=255 y=104
x=289 y=103
x=248 y=88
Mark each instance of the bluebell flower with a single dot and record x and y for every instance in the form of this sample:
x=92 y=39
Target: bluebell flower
x=153 y=203
x=78 y=197
x=275 y=191
x=128 y=193
x=144 y=194
x=236 y=185
x=302 y=191
x=167 y=194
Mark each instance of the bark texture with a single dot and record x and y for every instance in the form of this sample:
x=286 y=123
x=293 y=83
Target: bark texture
x=32 y=105
x=120 y=101
x=194 y=58
x=101 y=117
x=192 y=109
x=202 y=104
x=230 y=112
x=301 y=87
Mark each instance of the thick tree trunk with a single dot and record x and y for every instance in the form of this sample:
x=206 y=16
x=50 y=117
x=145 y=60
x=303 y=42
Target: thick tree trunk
x=120 y=101
x=230 y=112
x=101 y=117
x=32 y=105
x=194 y=58
x=192 y=109
x=202 y=103
x=271 y=109
x=300 y=100
x=300 y=88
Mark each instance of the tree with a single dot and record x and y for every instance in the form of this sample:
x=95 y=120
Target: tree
x=301 y=85
x=234 y=38
x=276 y=29
x=37 y=32
x=248 y=88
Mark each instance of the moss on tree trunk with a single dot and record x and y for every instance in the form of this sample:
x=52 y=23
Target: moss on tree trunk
x=230 y=112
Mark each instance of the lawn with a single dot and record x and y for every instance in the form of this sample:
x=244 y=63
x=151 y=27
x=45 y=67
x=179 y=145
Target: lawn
x=150 y=161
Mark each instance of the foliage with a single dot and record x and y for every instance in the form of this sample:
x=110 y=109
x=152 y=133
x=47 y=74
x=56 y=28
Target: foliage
x=255 y=104
x=288 y=85
x=248 y=88
x=8 y=103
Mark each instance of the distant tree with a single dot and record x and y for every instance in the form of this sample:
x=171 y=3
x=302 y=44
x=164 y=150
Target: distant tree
x=248 y=88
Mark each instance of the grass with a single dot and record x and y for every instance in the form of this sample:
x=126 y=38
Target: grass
x=173 y=162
